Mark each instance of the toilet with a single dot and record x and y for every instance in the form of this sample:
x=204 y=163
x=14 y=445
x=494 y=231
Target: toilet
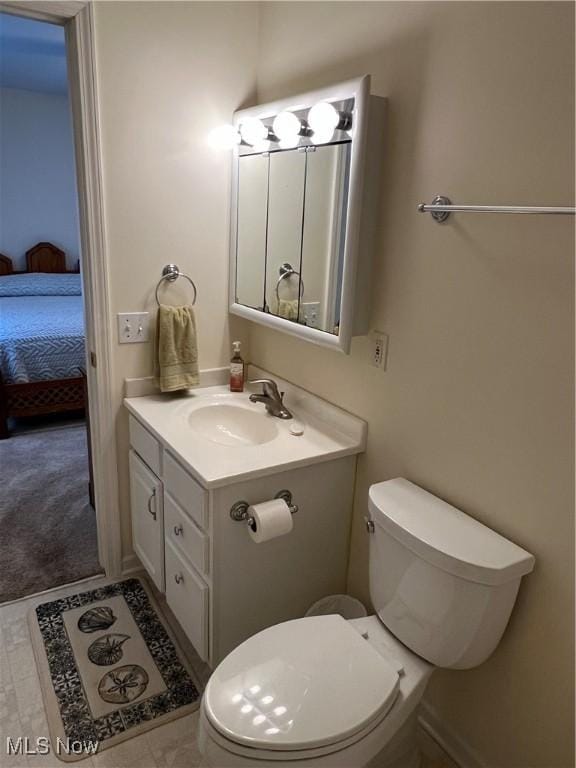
x=326 y=692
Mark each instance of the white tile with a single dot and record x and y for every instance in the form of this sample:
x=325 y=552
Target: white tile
x=29 y=696
x=10 y=727
x=175 y=744
x=15 y=632
x=134 y=753
x=8 y=703
x=21 y=661
x=5 y=676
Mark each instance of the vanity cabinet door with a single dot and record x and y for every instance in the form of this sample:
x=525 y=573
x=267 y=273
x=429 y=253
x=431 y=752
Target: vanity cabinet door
x=187 y=596
x=147 y=519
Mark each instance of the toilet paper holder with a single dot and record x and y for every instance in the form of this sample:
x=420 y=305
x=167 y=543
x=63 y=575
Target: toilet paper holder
x=239 y=510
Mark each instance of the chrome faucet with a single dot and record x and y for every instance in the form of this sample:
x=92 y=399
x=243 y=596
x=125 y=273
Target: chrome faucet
x=271 y=398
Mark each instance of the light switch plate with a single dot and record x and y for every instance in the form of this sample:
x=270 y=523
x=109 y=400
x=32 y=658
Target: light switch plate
x=310 y=311
x=133 y=327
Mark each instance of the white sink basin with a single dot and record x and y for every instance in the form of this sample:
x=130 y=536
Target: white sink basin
x=232 y=425
x=221 y=437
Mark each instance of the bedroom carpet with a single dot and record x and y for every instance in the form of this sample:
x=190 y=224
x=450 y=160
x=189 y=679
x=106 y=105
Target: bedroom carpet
x=47 y=526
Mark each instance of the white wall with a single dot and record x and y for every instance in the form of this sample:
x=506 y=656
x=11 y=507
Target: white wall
x=37 y=177
x=477 y=400
x=167 y=74
x=476 y=404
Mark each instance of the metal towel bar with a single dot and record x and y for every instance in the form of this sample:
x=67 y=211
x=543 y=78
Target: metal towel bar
x=441 y=207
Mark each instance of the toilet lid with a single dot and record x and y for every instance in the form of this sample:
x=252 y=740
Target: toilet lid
x=298 y=685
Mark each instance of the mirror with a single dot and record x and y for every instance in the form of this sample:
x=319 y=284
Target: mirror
x=322 y=236
x=284 y=240
x=297 y=210
x=251 y=241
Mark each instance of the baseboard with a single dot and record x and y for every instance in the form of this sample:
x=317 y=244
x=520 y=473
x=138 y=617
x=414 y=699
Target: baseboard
x=448 y=740
x=131 y=565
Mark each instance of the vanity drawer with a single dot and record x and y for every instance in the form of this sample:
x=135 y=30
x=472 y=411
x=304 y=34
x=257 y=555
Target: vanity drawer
x=185 y=535
x=186 y=491
x=187 y=596
x=145 y=445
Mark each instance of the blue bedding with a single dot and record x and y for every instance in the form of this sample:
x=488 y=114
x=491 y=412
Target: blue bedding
x=41 y=336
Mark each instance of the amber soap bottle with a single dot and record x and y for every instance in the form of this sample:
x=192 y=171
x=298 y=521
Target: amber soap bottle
x=236 y=369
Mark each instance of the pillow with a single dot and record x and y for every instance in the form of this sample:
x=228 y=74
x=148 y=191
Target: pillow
x=41 y=284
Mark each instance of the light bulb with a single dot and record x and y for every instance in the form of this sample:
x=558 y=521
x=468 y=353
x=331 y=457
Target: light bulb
x=253 y=131
x=324 y=119
x=322 y=137
x=291 y=144
x=224 y=137
x=287 y=127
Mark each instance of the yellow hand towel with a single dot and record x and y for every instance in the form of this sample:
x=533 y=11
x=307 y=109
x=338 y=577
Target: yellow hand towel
x=176 y=348
x=288 y=309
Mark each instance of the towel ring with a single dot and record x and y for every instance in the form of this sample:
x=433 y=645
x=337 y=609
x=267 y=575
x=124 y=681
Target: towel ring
x=286 y=271
x=171 y=272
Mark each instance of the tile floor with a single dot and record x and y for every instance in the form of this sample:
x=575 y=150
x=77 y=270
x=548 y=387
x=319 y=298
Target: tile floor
x=22 y=711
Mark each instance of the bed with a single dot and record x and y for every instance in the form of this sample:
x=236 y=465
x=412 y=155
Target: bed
x=42 y=349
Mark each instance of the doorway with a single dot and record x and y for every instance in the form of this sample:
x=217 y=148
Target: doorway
x=48 y=534
x=74 y=21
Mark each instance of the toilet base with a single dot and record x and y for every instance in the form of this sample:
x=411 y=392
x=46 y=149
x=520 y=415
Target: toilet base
x=401 y=751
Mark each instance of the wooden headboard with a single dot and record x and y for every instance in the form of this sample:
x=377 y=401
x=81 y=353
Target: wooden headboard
x=5 y=265
x=43 y=257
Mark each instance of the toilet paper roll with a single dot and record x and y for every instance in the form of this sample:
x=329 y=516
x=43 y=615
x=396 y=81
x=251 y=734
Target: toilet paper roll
x=270 y=520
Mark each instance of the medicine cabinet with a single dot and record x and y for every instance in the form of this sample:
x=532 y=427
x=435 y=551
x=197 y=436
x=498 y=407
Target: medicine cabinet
x=305 y=182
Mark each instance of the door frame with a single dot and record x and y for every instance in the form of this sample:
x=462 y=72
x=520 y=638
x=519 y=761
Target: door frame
x=77 y=20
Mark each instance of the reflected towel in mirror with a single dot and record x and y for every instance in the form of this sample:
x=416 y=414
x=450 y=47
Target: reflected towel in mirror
x=288 y=309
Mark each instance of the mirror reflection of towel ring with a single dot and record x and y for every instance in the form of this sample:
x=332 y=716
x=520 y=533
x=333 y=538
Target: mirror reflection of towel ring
x=286 y=271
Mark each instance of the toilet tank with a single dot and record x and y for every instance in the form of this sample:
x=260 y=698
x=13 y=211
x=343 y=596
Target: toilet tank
x=443 y=583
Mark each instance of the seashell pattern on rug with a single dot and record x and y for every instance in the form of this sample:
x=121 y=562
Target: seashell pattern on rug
x=96 y=619
x=107 y=650
x=124 y=684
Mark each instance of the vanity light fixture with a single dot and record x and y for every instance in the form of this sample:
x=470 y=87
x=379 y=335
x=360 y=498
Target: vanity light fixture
x=254 y=132
x=224 y=137
x=324 y=119
x=288 y=127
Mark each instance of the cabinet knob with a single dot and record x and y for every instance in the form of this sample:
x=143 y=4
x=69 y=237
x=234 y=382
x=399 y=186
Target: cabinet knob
x=178 y=578
x=178 y=529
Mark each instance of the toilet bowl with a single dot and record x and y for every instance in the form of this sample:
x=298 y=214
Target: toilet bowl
x=330 y=713
x=323 y=691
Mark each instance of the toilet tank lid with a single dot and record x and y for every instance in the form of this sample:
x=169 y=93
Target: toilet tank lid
x=444 y=535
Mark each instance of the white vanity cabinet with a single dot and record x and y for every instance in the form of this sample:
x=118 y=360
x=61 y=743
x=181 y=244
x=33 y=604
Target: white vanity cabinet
x=220 y=584
x=147 y=523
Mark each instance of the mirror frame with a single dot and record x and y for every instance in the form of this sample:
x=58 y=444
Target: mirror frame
x=359 y=90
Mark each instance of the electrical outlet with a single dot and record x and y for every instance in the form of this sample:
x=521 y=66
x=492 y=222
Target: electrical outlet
x=310 y=311
x=379 y=349
x=133 y=327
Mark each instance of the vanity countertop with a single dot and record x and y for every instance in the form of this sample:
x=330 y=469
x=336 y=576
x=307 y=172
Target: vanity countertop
x=222 y=438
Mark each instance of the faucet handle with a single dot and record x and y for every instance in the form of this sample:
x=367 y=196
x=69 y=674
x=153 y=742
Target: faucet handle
x=268 y=384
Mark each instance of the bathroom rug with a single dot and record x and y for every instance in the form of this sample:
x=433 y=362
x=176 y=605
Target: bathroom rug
x=109 y=668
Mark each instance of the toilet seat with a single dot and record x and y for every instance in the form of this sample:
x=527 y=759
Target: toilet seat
x=307 y=684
